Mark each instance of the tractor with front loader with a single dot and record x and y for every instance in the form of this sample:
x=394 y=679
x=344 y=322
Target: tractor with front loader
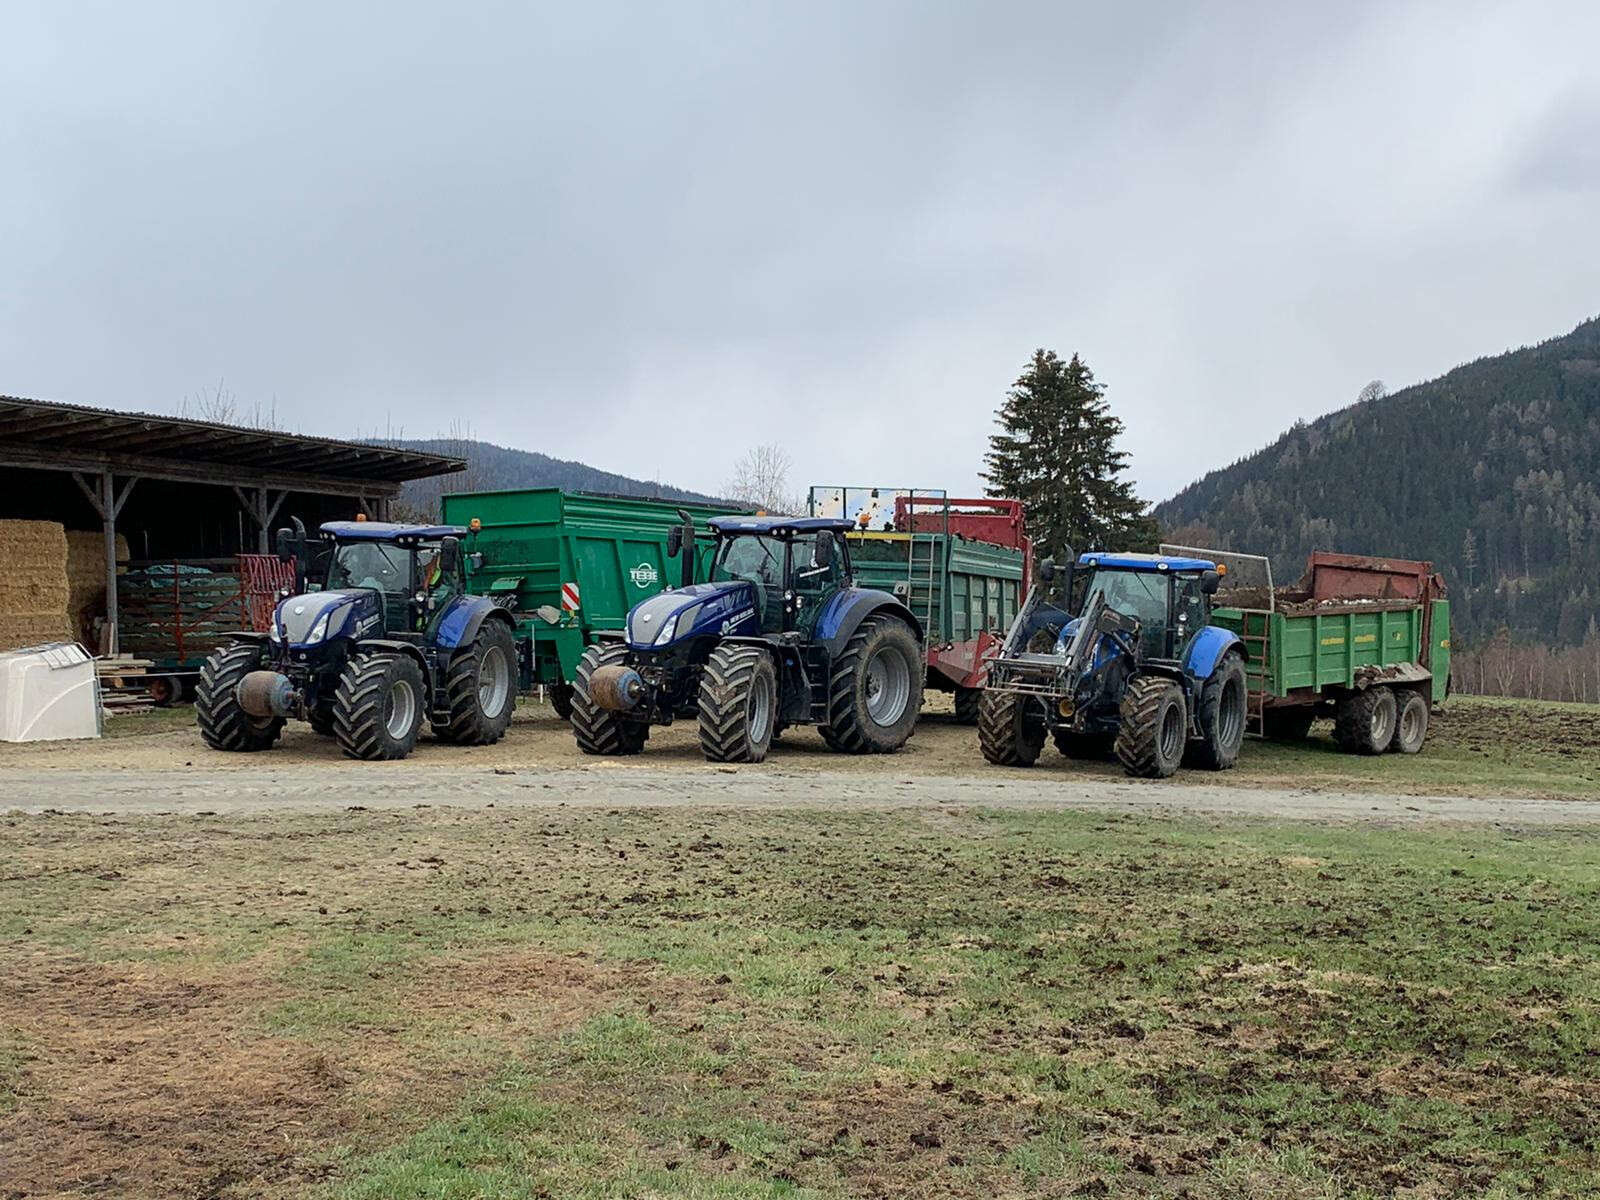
x=778 y=636
x=392 y=640
x=1140 y=671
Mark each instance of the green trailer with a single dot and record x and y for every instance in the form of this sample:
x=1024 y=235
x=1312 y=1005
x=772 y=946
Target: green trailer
x=1364 y=640
x=961 y=566
x=569 y=565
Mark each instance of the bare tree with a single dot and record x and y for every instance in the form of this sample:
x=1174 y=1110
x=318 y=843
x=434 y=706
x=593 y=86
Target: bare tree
x=761 y=480
x=217 y=405
x=1373 y=391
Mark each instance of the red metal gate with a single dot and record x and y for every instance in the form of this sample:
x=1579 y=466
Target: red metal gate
x=261 y=578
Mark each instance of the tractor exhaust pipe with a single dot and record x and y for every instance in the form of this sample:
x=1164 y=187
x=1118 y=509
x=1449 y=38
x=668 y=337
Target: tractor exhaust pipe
x=616 y=688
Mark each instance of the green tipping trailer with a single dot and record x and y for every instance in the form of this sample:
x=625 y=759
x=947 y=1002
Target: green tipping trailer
x=962 y=566
x=570 y=565
x=1353 y=634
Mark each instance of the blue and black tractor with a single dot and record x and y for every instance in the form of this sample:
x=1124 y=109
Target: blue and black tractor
x=1139 y=671
x=390 y=641
x=779 y=636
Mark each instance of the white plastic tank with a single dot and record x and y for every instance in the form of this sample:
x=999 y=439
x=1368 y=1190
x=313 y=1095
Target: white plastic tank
x=48 y=693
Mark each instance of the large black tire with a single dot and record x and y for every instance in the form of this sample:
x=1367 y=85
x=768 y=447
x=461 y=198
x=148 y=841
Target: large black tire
x=1290 y=724
x=1011 y=728
x=1154 y=727
x=1224 y=699
x=598 y=730
x=1411 y=722
x=968 y=701
x=875 y=688
x=379 y=707
x=1364 y=722
x=561 y=700
x=1086 y=746
x=223 y=724
x=481 y=683
x=738 y=704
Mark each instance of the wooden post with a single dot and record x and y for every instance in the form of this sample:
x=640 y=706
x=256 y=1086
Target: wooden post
x=108 y=503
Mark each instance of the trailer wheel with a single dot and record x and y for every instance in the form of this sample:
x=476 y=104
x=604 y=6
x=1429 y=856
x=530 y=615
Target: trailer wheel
x=1364 y=722
x=1290 y=724
x=1084 y=746
x=481 y=683
x=165 y=690
x=378 y=707
x=1011 y=728
x=561 y=700
x=968 y=701
x=1221 y=715
x=1154 y=727
x=223 y=723
x=875 y=688
x=1411 y=724
x=738 y=704
x=598 y=730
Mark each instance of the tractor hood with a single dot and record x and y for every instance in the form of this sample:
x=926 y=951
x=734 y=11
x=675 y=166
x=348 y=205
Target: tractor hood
x=701 y=608
x=316 y=617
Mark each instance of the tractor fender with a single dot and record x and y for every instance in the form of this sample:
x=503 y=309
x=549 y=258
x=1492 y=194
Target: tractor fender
x=393 y=646
x=845 y=610
x=463 y=619
x=1207 y=650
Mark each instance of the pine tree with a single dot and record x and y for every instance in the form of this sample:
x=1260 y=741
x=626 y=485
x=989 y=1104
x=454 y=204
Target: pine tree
x=1057 y=453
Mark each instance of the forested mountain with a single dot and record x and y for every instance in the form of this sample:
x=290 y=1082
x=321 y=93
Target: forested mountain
x=491 y=467
x=1492 y=472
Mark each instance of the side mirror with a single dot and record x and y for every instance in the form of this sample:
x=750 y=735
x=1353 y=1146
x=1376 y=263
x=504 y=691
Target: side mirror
x=1210 y=581
x=824 y=554
x=449 y=556
x=1047 y=570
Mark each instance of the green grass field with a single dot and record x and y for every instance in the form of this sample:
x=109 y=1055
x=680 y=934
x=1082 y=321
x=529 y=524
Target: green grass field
x=686 y=1003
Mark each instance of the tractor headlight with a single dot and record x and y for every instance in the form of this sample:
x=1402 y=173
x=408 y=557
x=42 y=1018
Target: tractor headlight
x=320 y=629
x=683 y=620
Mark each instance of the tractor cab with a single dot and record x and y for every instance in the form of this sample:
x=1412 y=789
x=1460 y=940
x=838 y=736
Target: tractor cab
x=1163 y=601
x=415 y=570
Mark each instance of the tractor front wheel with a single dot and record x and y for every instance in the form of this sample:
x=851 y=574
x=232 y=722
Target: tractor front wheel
x=1223 y=701
x=1364 y=722
x=1011 y=728
x=875 y=688
x=738 y=704
x=968 y=701
x=481 y=683
x=599 y=730
x=1154 y=727
x=223 y=723
x=378 y=707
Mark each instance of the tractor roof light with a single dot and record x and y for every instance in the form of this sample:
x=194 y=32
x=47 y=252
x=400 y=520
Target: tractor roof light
x=474 y=524
x=361 y=516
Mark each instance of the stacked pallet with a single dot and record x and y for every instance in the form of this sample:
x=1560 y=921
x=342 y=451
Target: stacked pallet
x=86 y=579
x=33 y=584
x=122 y=685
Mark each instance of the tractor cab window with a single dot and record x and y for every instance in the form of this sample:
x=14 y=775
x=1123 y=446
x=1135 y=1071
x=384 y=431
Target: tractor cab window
x=817 y=572
x=756 y=559
x=1188 y=611
x=1141 y=594
x=383 y=568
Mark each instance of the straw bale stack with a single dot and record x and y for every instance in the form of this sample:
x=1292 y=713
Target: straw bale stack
x=86 y=578
x=33 y=584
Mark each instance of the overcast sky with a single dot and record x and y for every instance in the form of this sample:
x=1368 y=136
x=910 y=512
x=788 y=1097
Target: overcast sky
x=650 y=238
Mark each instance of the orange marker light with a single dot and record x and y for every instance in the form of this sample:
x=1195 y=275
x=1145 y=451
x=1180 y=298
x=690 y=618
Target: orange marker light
x=361 y=516
x=474 y=524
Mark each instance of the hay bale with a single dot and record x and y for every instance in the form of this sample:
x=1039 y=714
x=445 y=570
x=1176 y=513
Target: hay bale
x=33 y=569
x=86 y=578
x=32 y=629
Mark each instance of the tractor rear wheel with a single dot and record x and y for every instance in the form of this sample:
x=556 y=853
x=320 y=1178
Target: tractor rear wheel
x=561 y=700
x=1223 y=701
x=1411 y=725
x=1364 y=722
x=223 y=723
x=968 y=701
x=1154 y=727
x=875 y=688
x=1011 y=728
x=1088 y=746
x=599 y=730
x=378 y=707
x=481 y=683
x=738 y=704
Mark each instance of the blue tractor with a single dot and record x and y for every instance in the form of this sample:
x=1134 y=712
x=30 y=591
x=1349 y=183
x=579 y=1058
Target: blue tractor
x=391 y=640
x=779 y=636
x=1139 y=671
